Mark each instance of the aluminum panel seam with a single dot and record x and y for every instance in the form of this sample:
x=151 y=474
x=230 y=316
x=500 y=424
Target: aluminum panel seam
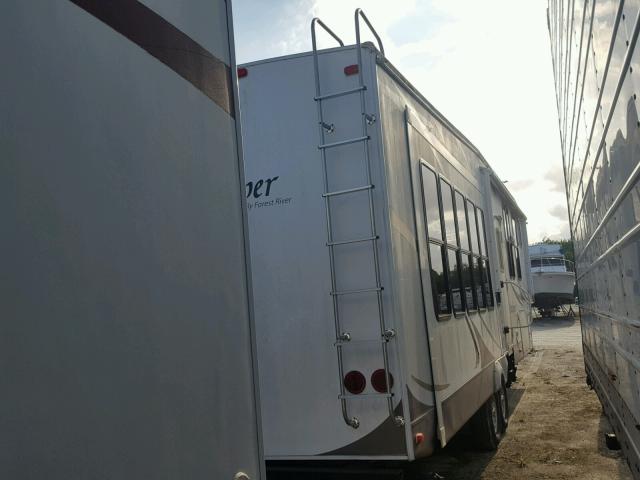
x=622 y=194
x=572 y=154
x=625 y=67
x=601 y=91
x=612 y=405
x=608 y=316
x=623 y=241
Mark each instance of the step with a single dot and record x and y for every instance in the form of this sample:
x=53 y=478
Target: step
x=348 y=190
x=355 y=240
x=352 y=292
x=343 y=142
x=349 y=396
x=340 y=94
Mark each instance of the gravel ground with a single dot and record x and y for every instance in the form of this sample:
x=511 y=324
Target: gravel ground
x=556 y=428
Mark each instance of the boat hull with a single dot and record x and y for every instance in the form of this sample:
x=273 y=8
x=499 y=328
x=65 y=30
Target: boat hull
x=552 y=289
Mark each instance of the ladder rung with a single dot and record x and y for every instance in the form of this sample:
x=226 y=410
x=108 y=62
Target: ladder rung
x=340 y=94
x=348 y=190
x=355 y=240
x=347 y=396
x=362 y=290
x=344 y=142
x=378 y=341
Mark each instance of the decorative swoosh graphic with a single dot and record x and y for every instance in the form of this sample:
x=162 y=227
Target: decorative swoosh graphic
x=428 y=386
x=475 y=341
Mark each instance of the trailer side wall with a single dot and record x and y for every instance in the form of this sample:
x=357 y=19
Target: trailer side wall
x=125 y=339
x=596 y=61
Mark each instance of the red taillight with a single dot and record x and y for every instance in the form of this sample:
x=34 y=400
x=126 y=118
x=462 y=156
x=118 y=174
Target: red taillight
x=355 y=382
x=419 y=438
x=379 y=381
x=351 y=69
x=242 y=72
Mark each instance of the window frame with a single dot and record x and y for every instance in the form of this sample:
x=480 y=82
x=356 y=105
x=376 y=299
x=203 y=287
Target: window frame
x=452 y=246
x=477 y=257
x=485 y=259
x=440 y=242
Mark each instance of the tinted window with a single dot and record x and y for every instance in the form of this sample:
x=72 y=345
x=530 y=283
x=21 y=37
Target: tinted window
x=507 y=224
x=478 y=283
x=431 y=207
x=447 y=210
x=438 y=279
x=462 y=221
x=483 y=240
x=512 y=272
x=467 y=282
x=454 y=281
x=473 y=228
x=486 y=280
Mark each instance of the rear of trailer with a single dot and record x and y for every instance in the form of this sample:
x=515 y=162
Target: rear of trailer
x=379 y=332
x=596 y=62
x=126 y=336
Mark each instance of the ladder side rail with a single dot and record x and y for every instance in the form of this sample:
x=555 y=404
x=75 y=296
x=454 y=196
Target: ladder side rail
x=359 y=13
x=351 y=421
x=366 y=120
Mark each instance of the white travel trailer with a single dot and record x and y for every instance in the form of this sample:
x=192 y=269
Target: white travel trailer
x=596 y=60
x=126 y=334
x=376 y=278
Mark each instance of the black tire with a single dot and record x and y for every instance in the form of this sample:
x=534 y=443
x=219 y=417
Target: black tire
x=503 y=407
x=486 y=426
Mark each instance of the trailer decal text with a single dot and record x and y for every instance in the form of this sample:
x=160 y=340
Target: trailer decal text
x=260 y=190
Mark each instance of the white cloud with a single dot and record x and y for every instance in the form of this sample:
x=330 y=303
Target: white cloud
x=485 y=65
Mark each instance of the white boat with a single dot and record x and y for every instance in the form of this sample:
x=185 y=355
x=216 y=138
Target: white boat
x=553 y=278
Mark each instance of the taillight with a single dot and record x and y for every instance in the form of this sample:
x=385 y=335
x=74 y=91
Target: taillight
x=355 y=382
x=351 y=69
x=379 y=381
x=242 y=72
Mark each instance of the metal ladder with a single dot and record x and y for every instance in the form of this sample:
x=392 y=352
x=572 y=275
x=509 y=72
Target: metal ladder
x=344 y=338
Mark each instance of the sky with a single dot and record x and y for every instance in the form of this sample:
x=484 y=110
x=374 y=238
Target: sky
x=486 y=65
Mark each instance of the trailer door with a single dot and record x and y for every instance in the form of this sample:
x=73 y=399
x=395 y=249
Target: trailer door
x=432 y=256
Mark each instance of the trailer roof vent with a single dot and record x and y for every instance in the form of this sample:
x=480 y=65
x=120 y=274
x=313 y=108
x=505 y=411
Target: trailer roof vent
x=351 y=69
x=355 y=382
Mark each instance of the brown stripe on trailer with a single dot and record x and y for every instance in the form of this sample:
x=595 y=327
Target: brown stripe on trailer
x=171 y=46
x=386 y=439
x=423 y=420
x=462 y=404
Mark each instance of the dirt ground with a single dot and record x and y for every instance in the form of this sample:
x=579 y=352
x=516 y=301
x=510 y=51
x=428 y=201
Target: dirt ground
x=556 y=429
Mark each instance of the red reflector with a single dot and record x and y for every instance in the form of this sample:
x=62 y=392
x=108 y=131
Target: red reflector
x=242 y=72
x=379 y=381
x=419 y=438
x=351 y=69
x=355 y=382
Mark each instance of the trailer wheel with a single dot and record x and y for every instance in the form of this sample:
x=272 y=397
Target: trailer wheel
x=486 y=425
x=503 y=407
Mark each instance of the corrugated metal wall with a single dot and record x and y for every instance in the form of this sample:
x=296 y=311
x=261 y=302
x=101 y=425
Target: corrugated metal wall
x=596 y=64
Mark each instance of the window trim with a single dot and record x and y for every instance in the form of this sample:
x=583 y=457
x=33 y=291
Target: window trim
x=453 y=246
x=477 y=260
x=435 y=241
